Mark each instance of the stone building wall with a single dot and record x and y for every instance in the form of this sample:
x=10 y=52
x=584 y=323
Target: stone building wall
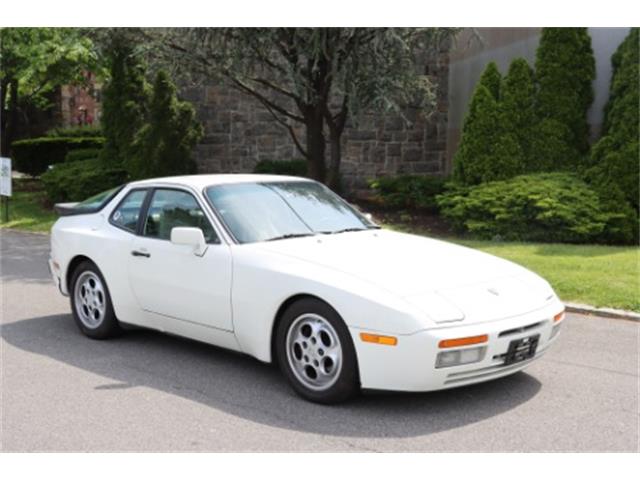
x=239 y=132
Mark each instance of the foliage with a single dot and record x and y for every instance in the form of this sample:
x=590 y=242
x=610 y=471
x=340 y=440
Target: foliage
x=615 y=158
x=487 y=150
x=125 y=97
x=296 y=168
x=40 y=59
x=82 y=154
x=315 y=77
x=409 y=191
x=75 y=181
x=34 y=62
x=565 y=70
x=281 y=167
x=548 y=207
x=83 y=131
x=33 y=156
x=517 y=107
x=491 y=78
x=163 y=146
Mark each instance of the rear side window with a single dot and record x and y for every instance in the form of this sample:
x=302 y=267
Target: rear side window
x=126 y=215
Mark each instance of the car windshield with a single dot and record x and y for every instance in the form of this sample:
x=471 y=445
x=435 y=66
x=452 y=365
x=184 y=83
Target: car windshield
x=256 y=212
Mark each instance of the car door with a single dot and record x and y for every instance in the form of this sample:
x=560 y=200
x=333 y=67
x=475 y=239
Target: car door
x=170 y=280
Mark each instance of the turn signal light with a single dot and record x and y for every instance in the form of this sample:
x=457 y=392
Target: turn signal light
x=381 y=339
x=558 y=317
x=460 y=342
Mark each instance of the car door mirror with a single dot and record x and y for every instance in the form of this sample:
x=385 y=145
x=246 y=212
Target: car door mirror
x=190 y=236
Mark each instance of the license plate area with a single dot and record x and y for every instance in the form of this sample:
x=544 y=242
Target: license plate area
x=521 y=349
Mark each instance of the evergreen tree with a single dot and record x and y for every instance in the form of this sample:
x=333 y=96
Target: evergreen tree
x=616 y=156
x=565 y=70
x=490 y=81
x=163 y=146
x=125 y=99
x=487 y=152
x=518 y=110
x=491 y=78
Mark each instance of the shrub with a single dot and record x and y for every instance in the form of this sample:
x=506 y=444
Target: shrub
x=82 y=154
x=84 y=131
x=487 y=151
x=296 y=168
x=33 y=156
x=517 y=107
x=565 y=70
x=409 y=191
x=163 y=146
x=75 y=181
x=615 y=157
x=547 y=207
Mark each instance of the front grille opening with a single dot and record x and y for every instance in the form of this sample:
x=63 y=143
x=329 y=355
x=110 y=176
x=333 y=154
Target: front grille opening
x=526 y=328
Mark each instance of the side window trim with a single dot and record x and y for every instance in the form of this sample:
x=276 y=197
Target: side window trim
x=147 y=203
x=142 y=207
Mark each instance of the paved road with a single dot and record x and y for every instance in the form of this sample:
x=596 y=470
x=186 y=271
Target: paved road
x=151 y=392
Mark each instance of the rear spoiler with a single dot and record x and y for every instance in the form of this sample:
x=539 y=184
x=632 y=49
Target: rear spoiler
x=65 y=209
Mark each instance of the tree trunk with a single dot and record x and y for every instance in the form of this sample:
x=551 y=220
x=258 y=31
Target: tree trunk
x=333 y=176
x=316 y=146
x=3 y=118
x=11 y=120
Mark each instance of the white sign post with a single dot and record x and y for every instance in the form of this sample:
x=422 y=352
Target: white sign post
x=5 y=186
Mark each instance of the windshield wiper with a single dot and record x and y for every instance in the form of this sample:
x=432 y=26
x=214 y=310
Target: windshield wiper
x=290 y=235
x=351 y=229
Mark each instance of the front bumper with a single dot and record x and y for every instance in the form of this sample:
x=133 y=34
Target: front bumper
x=410 y=365
x=54 y=270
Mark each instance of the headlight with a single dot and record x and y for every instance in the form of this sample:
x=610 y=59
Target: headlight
x=452 y=358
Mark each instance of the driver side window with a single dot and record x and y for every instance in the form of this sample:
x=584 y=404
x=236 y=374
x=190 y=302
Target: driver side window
x=175 y=208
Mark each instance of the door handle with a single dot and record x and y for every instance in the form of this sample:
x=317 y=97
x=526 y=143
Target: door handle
x=137 y=253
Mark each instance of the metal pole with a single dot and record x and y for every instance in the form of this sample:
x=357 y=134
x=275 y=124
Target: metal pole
x=5 y=209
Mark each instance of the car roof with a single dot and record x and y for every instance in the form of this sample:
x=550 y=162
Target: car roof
x=205 y=180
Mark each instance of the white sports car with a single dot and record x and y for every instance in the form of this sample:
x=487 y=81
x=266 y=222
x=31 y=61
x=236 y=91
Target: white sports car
x=283 y=269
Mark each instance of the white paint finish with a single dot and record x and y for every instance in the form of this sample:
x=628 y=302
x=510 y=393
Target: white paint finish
x=416 y=288
x=180 y=285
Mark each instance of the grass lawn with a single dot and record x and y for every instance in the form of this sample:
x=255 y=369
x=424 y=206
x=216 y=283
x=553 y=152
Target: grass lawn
x=597 y=275
x=27 y=211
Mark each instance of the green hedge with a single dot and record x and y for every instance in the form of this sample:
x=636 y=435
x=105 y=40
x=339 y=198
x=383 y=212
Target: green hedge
x=34 y=155
x=545 y=207
x=86 y=131
x=409 y=191
x=76 y=181
x=296 y=168
x=82 y=154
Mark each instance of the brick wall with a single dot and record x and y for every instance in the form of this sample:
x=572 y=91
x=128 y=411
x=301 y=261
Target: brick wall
x=239 y=132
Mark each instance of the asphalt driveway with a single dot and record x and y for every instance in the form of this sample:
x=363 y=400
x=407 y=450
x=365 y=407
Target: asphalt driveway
x=146 y=391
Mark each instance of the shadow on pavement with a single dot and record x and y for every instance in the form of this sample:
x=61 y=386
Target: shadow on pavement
x=244 y=387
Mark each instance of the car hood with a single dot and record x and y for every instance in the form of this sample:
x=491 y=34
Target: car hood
x=447 y=282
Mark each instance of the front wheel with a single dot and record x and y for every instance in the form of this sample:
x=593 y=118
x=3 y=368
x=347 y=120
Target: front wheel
x=316 y=353
x=91 y=303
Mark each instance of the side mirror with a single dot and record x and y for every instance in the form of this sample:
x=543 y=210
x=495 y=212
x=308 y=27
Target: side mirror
x=190 y=236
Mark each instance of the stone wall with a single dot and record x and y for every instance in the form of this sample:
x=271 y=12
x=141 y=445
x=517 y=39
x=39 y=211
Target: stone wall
x=239 y=132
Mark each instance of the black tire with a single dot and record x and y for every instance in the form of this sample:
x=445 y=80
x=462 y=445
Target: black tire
x=108 y=326
x=347 y=383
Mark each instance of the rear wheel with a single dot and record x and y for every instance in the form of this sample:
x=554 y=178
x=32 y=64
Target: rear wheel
x=315 y=352
x=91 y=303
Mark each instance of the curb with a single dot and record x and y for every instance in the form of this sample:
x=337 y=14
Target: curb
x=602 y=312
